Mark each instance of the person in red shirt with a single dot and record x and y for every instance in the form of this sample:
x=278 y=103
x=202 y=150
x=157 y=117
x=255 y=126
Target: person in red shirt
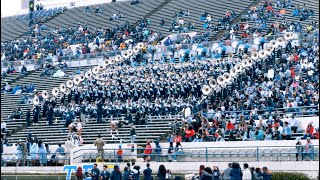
x=177 y=138
x=293 y=74
x=241 y=26
x=147 y=152
x=119 y=153
x=309 y=131
x=189 y=134
x=229 y=127
x=244 y=35
x=316 y=134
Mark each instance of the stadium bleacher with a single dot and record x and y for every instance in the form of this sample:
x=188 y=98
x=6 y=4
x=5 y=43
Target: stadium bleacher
x=161 y=127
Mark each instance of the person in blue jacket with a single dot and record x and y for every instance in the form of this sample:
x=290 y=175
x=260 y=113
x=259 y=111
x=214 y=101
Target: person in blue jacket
x=236 y=173
x=116 y=174
x=148 y=173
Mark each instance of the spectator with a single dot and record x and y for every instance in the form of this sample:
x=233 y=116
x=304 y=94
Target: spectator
x=68 y=145
x=126 y=173
x=206 y=174
x=162 y=172
x=201 y=168
x=147 y=152
x=21 y=153
x=316 y=134
x=33 y=150
x=3 y=127
x=116 y=174
x=23 y=70
x=286 y=131
x=119 y=153
x=105 y=175
x=236 y=172
x=178 y=151
x=4 y=75
x=308 y=150
x=100 y=143
x=59 y=150
x=79 y=174
x=246 y=172
x=134 y=2
x=266 y=174
x=135 y=172
x=293 y=124
x=133 y=133
x=95 y=172
x=309 y=131
x=256 y=173
x=216 y=173
x=147 y=173
x=42 y=153
x=226 y=172
x=157 y=151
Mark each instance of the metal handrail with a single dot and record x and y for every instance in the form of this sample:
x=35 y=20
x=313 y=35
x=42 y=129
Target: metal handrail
x=208 y=152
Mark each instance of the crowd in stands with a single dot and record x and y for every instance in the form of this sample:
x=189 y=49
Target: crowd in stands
x=57 y=41
x=262 y=13
x=34 y=152
x=133 y=171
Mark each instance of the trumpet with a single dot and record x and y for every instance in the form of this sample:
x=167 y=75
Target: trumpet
x=62 y=87
x=36 y=101
x=55 y=91
x=69 y=84
x=45 y=94
x=206 y=90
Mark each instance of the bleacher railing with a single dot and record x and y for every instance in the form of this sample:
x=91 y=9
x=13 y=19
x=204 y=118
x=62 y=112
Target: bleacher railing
x=206 y=154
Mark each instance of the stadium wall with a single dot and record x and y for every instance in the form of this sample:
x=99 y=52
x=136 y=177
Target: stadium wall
x=311 y=168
